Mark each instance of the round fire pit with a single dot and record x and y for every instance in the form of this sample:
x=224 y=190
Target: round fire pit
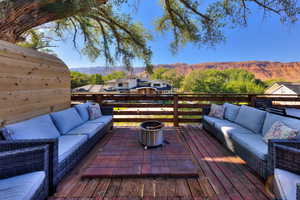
x=151 y=134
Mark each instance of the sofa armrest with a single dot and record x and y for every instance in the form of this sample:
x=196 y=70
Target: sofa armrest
x=287 y=158
x=8 y=145
x=298 y=191
x=107 y=110
x=24 y=160
x=205 y=110
x=271 y=150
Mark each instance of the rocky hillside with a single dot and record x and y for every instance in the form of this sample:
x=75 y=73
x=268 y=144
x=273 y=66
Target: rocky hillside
x=263 y=70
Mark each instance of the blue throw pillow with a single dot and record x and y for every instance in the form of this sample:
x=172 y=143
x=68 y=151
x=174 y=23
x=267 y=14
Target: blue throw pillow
x=41 y=127
x=66 y=120
x=83 y=110
x=231 y=111
x=251 y=118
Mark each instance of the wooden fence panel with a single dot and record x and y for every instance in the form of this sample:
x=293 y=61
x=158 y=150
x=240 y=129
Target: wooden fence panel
x=31 y=83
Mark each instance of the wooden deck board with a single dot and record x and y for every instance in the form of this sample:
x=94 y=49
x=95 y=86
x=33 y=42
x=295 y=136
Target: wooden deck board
x=222 y=176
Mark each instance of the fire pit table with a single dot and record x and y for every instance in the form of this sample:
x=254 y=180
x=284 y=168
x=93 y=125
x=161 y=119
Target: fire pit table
x=151 y=134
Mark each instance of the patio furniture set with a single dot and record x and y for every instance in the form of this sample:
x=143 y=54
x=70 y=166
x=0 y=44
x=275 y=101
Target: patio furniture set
x=242 y=130
x=36 y=154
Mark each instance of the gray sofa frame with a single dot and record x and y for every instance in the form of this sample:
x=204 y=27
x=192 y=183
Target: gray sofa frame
x=16 y=159
x=264 y=168
x=58 y=171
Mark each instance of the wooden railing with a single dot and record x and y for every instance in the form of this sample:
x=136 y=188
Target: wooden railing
x=174 y=108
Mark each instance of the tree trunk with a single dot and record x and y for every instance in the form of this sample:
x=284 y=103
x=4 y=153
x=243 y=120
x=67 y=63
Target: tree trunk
x=19 y=16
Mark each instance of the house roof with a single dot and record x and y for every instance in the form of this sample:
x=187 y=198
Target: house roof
x=290 y=85
x=89 y=88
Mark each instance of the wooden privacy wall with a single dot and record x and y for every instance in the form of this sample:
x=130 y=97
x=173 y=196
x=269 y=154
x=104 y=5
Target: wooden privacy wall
x=31 y=83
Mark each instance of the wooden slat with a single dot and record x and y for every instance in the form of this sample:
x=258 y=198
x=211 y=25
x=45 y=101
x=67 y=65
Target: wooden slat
x=142 y=119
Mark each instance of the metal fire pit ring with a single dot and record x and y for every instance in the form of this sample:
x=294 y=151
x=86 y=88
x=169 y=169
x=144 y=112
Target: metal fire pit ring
x=151 y=134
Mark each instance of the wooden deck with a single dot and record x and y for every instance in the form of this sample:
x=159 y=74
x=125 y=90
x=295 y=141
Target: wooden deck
x=222 y=176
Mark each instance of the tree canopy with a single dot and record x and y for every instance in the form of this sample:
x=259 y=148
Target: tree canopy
x=114 y=35
x=226 y=81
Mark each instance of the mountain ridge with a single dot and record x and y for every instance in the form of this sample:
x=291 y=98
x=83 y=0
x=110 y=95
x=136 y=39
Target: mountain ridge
x=263 y=70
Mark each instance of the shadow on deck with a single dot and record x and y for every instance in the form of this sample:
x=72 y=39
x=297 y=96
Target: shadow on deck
x=222 y=175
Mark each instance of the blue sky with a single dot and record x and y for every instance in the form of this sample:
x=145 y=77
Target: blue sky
x=263 y=39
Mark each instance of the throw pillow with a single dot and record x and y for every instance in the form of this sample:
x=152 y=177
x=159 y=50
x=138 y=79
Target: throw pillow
x=280 y=131
x=94 y=111
x=216 y=111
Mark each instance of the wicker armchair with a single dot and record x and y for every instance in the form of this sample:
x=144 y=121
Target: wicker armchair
x=285 y=155
x=52 y=163
x=16 y=161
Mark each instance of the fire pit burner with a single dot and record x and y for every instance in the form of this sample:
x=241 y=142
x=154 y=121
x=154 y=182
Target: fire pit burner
x=151 y=134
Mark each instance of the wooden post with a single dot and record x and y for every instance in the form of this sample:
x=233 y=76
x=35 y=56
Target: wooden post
x=99 y=99
x=252 y=100
x=175 y=110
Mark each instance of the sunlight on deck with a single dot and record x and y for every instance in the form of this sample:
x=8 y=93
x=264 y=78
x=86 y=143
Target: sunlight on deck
x=227 y=159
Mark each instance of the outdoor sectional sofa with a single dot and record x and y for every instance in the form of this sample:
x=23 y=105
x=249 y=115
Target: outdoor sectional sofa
x=68 y=133
x=23 y=172
x=242 y=130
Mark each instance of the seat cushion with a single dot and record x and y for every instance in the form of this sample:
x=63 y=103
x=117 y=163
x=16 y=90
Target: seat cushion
x=286 y=183
x=67 y=144
x=231 y=111
x=226 y=128
x=66 y=120
x=89 y=129
x=103 y=119
x=251 y=118
x=82 y=109
x=41 y=127
x=253 y=143
x=272 y=118
x=21 y=187
x=211 y=120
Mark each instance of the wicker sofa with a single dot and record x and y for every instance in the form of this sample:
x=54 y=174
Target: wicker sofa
x=23 y=172
x=69 y=133
x=286 y=169
x=242 y=130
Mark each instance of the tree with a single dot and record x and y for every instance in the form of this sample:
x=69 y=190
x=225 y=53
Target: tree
x=114 y=75
x=104 y=26
x=226 y=81
x=79 y=79
x=96 y=79
x=169 y=75
x=158 y=73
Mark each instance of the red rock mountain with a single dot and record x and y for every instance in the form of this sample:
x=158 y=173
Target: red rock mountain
x=263 y=70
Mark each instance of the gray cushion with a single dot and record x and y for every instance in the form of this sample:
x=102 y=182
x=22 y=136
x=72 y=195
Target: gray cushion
x=67 y=144
x=66 y=120
x=272 y=118
x=286 y=183
x=253 y=143
x=226 y=128
x=211 y=120
x=82 y=109
x=41 y=127
x=103 y=119
x=231 y=111
x=89 y=129
x=22 y=187
x=251 y=118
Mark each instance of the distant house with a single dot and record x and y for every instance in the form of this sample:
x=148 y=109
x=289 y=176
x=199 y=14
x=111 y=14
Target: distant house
x=138 y=85
x=284 y=88
x=89 y=88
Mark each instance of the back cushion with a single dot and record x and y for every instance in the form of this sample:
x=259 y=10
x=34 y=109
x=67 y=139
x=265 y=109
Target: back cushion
x=251 y=118
x=83 y=110
x=272 y=118
x=41 y=127
x=231 y=111
x=66 y=120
